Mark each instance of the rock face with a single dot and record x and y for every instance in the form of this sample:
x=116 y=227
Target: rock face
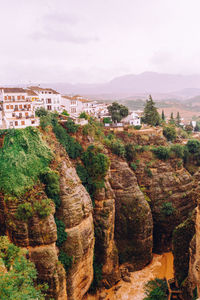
x=105 y=249
x=133 y=219
x=39 y=237
x=170 y=190
x=76 y=213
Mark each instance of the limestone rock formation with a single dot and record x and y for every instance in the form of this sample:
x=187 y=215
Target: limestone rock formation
x=171 y=193
x=76 y=213
x=133 y=219
x=104 y=220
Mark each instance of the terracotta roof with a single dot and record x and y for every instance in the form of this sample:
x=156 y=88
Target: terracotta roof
x=13 y=90
x=31 y=93
x=74 y=98
x=39 y=89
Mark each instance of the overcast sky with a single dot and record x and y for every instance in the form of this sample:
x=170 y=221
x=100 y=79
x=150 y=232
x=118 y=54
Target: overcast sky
x=96 y=40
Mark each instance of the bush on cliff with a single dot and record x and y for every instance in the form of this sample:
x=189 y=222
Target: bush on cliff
x=18 y=276
x=170 y=133
x=22 y=158
x=156 y=289
x=161 y=152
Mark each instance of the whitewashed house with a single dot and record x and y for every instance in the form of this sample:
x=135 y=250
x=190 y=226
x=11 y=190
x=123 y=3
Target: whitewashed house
x=17 y=108
x=47 y=98
x=132 y=119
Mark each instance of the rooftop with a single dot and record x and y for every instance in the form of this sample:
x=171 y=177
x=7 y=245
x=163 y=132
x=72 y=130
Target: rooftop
x=39 y=89
x=13 y=90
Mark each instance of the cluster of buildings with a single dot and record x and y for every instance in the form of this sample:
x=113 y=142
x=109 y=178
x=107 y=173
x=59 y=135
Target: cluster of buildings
x=18 y=106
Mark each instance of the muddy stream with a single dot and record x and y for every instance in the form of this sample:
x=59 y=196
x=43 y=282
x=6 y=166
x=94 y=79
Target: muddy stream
x=161 y=266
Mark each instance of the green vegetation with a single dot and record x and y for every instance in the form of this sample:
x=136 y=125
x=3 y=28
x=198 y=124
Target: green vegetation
x=130 y=152
x=117 y=111
x=148 y=171
x=66 y=260
x=43 y=208
x=133 y=166
x=107 y=120
x=162 y=152
x=22 y=158
x=24 y=211
x=65 y=113
x=62 y=235
x=52 y=186
x=94 y=169
x=151 y=115
x=156 y=289
x=72 y=147
x=170 y=133
x=182 y=236
x=167 y=209
x=70 y=126
x=41 y=112
x=18 y=280
x=117 y=147
x=178 y=150
x=83 y=115
x=94 y=129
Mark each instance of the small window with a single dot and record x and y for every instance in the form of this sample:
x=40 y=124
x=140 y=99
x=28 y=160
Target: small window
x=7 y=106
x=18 y=97
x=32 y=121
x=16 y=123
x=11 y=106
x=22 y=122
x=5 y=98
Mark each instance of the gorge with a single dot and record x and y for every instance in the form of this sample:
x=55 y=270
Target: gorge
x=91 y=207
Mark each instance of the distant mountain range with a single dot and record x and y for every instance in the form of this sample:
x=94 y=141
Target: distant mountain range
x=161 y=86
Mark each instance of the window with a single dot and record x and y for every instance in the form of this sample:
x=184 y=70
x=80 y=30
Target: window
x=13 y=115
x=11 y=106
x=22 y=122
x=7 y=106
x=32 y=121
x=18 y=97
x=20 y=106
x=23 y=97
x=73 y=102
x=16 y=107
x=26 y=114
x=73 y=110
x=9 y=97
x=16 y=123
x=5 y=98
x=48 y=107
x=49 y=100
x=11 y=124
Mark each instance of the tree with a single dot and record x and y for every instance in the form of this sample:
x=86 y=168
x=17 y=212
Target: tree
x=171 y=121
x=178 y=119
x=170 y=133
x=163 y=115
x=117 y=111
x=156 y=289
x=151 y=115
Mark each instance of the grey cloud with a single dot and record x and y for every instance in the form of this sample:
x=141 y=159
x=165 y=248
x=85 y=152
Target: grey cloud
x=63 y=36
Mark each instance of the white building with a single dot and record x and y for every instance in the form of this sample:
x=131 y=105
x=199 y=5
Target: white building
x=47 y=98
x=132 y=119
x=72 y=104
x=17 y=109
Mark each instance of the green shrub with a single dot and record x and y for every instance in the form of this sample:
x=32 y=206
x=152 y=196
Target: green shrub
x=193 y=146
x=83 y=115
x=137 y=127
x=19 y=280
x=61 y=234
x=43 y=208
x=97 y=268
x=170 y=133
x=178 y=150
x=133 y=166
x=72 y=147
x=66 y=260
x=130 y=152
x=41 y=112
x=70 y=126
x=117 y=148
x=161 y=152
x=156 y=289
x=107 y=120
x=52 y=185
x=24 y=211
x=167 y=209
x=65 y=113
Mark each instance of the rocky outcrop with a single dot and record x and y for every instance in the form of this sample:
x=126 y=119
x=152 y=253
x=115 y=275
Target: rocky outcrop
x=133 y=219
x=170 y=190
x=106 y=253
x=39 y=237
x=76 y=213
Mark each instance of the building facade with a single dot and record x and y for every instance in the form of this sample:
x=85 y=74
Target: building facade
x=16 y=109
